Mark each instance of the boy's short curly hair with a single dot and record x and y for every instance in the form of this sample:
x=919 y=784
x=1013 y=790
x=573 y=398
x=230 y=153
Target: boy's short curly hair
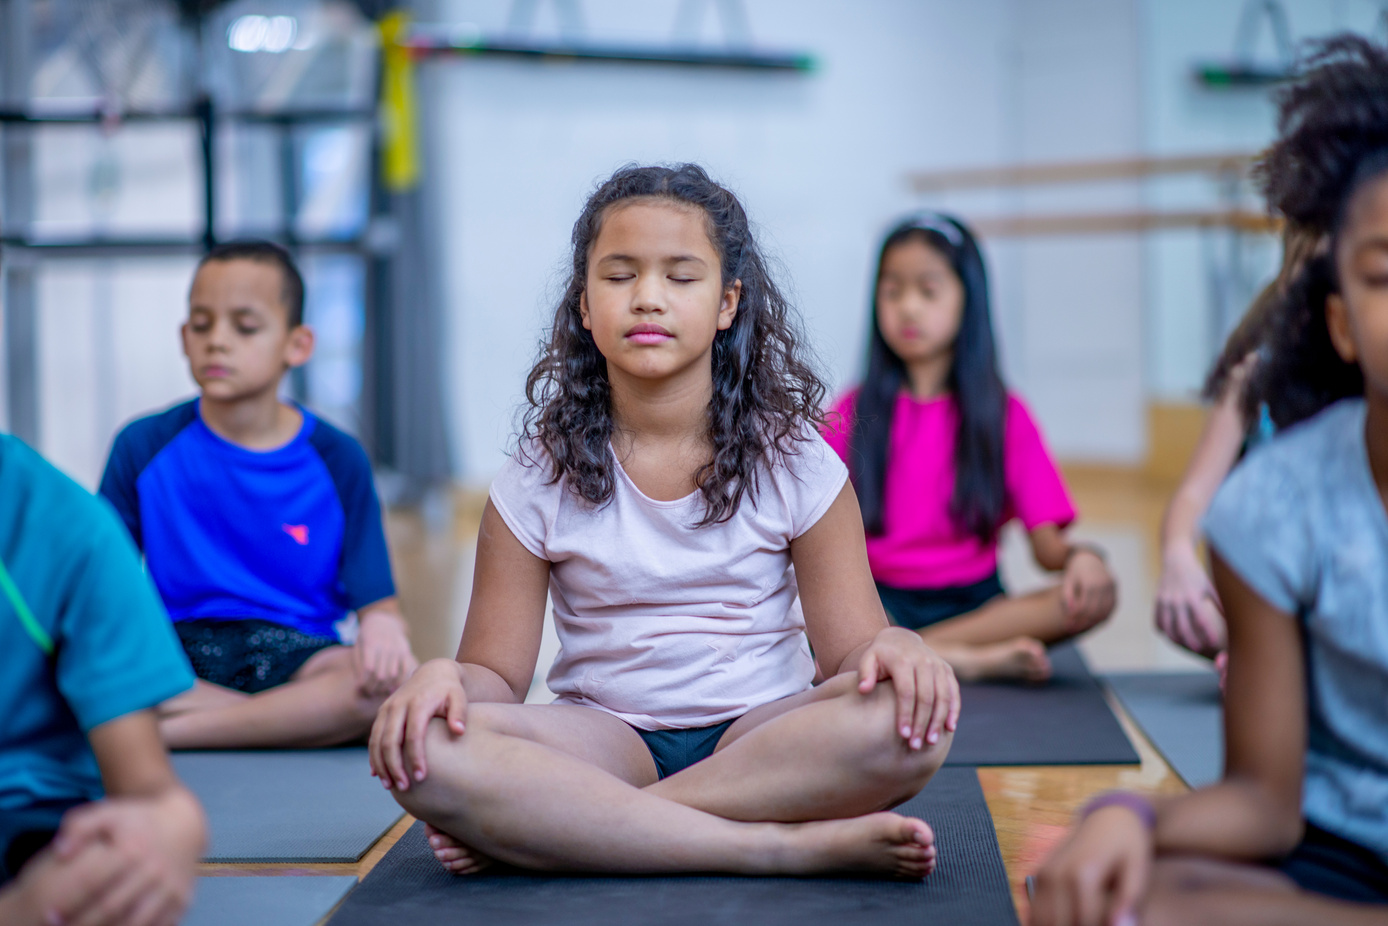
x=1332 y=141
x=261 y=251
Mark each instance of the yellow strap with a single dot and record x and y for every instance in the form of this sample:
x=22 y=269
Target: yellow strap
x=400 y=152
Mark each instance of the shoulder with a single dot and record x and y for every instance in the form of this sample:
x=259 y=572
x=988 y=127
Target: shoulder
x=49 y=502
x=342 y=452
x=1302 y=455
x=142 y=439
x=808 y=474
x=1277 y=478
x=528 y=470
x=1018 y=413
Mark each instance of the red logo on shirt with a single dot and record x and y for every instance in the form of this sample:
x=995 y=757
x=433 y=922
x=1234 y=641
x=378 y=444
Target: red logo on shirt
x=299 y=532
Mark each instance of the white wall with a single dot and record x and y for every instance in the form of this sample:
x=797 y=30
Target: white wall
x=818 y=159
x=1184 y=328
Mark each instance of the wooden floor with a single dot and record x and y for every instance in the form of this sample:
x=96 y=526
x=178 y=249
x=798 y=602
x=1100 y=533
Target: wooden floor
x=1031 y=806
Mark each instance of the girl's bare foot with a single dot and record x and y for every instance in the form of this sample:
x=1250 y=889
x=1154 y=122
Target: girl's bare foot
x=880 y=843
x=453 y=855
x=1020 y=659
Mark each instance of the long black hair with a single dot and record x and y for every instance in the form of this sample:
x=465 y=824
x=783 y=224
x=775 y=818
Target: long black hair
x=979 y=491
x=1332 y=141
x=766 y=397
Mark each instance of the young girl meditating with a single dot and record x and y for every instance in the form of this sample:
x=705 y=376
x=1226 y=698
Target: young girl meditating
x=668 y=480
x=1297 y=831
x=942 y=456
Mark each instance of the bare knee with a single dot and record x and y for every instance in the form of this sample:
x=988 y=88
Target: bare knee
x=458 y=771
x=885 y=754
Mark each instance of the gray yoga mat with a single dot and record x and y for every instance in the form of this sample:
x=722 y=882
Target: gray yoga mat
x=968 y=887
x=1064 y=721
x=1182 y=713
x=288 y=900
x=311 y=805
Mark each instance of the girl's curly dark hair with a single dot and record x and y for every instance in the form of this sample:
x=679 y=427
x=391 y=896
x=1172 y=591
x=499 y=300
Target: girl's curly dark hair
x=766 y=397
x=1332 y=141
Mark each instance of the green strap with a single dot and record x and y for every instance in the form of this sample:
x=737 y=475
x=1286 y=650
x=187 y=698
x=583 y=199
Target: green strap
x=26 y=617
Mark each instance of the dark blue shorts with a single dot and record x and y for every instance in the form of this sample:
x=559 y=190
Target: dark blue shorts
x=246 y=655
x=25 y=832
x=676 y=750
x=920 y=607
x=1326 y=864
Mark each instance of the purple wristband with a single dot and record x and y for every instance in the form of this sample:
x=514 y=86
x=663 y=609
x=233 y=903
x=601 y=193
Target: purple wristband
x=1134 y=802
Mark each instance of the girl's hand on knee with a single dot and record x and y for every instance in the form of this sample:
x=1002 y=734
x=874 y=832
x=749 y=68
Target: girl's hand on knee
x=927 y=692
x=1099 y=875
x=397 y=737
x=1088 y=592
x=1188 y=609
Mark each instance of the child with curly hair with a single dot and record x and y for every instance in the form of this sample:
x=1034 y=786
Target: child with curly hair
x=1299 y=536
x=673 y=497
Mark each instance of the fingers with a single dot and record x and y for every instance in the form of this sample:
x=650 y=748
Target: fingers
x=455 y=709
x=117 y=902
x=89 y=876
x=1070 y=592
x=940 y=707
x=1130 y=882
x=416 y=730
x=867 y=672
x=956 y=702
x=80 y=827
x=904 y=681
x=392 y=758
x=1209 y=622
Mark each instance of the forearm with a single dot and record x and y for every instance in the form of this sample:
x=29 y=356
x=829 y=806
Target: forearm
x=1051 y=548
x=1235 y=819
x=1215 y=454
x=483 y=684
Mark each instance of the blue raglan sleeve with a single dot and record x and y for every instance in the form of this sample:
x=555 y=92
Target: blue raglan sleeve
x=364 y=574
x=118 y=482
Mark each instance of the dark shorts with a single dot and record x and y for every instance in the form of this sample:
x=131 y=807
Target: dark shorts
x=25 y=832
x=676 y=750
x=921 y=607
x=1326 y=864
x=247 y=655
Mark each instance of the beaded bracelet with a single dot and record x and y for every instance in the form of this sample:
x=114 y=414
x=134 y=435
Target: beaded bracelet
x=1134 y=802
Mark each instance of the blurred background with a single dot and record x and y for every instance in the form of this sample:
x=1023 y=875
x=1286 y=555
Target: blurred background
x=425 y=162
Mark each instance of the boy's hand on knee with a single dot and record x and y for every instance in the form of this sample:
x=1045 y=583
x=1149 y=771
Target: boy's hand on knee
x=926 y=690
x=382 y=652
x=129 y=860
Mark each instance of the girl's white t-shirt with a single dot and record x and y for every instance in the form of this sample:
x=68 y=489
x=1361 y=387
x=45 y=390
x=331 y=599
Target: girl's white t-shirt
x=663 y=624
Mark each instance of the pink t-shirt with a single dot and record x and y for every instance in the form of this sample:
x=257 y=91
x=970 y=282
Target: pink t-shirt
x=920 y=546
x=663 y=624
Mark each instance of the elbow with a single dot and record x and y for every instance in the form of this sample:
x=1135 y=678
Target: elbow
x=1285 y=832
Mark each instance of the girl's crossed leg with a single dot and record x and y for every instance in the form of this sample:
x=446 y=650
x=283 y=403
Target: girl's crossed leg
x=794 y=787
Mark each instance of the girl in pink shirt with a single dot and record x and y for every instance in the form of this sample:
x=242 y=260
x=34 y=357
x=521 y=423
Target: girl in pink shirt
x=942 y=456
x=672 y=497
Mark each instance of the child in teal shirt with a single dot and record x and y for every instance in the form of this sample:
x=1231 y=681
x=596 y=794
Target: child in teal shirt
x=88 y=653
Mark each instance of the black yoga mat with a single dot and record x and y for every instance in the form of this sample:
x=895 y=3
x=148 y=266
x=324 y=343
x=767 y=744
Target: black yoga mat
x=291 y=805
x=968 y=887
x=1182 y=713
x=287 y=900
x=1064 y=721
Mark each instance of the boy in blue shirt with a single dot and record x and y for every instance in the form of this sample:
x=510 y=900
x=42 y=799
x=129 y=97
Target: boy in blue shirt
x=260 y=527
x=86 y=654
